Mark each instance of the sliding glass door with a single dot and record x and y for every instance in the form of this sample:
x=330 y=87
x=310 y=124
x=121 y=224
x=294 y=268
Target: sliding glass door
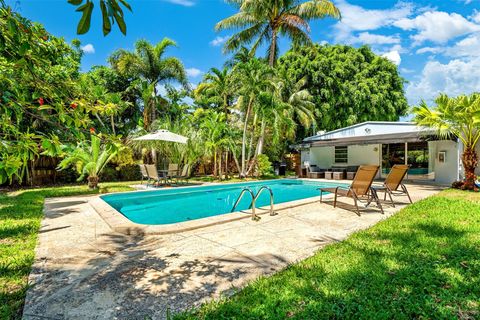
x=414 y=154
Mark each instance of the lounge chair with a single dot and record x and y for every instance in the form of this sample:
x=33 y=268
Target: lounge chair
x=153 y=173
x=144 y=173
x=393 y=183
x=359 y=190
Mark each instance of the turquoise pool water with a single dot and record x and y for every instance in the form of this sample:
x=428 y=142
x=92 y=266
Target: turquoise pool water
x=173 y=205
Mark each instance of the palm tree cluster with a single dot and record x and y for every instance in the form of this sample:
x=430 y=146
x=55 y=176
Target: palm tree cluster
x=252 y=105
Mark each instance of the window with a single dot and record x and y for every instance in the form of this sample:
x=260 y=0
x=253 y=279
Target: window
x=341 y=154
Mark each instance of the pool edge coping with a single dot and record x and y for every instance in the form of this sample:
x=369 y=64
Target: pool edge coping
x=119 y=223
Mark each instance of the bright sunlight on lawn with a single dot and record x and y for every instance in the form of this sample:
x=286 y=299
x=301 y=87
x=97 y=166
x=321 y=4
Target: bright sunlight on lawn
x=20 y=216
x=421 y=263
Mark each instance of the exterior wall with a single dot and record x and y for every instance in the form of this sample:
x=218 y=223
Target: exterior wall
x=447 y=172
x=324 y=157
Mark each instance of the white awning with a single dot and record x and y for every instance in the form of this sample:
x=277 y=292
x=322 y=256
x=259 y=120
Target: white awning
x=163 y=135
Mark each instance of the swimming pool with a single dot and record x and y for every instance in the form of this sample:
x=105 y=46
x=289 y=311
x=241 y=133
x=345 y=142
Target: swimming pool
x=167 y=206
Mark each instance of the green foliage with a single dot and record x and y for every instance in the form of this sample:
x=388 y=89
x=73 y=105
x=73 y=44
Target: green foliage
x=348 y=85
x=263 y=21
x=20 y=215
x=90 y=158
x=38 y=74
x=111 y=11
x=420 y=263
x=264 y=166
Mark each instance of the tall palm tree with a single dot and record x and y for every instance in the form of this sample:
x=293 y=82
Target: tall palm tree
x=148 y=63
x=266 y=20
x=460 y=117
x=255 y=80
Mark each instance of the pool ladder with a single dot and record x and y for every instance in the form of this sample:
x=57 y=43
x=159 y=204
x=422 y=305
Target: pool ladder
x=254 y=199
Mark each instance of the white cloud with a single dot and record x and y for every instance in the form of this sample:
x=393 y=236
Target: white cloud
x=475 y=16
x=369 y=38
x=185 y=3
x=430 y=50
x=88 y=48
x=437 y=26
x=356 y=18
x=193 y=72
x=218 y=41
x=393 y=56
x=454 y=78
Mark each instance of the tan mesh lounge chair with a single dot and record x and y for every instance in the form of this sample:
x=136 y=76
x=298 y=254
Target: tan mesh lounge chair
x=393 y=183
x=359 y=190
x=144 y=173
x=153 y=173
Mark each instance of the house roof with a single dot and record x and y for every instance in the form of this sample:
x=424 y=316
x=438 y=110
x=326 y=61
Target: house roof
x=366 y=129
x=375 y=139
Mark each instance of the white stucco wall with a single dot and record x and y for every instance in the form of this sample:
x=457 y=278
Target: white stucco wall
x=324 y=157
x=447 y=172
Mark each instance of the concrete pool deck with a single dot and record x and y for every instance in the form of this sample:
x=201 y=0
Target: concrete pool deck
x=85 y=270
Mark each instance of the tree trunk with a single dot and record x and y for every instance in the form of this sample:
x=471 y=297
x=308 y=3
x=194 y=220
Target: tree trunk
x=214 y=163
x=273 y=47
x=112 y=122
x=92 y=182
x=244 y=138
x=220 y=165
x=470 y=162
x=259 y=148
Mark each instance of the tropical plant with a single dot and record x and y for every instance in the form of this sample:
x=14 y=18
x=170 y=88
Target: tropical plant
x=213 y=130
x=255 y=79
x=349 y=85
x=266 y=20
x=90 y=158
x=460 y=117
x=111 y=12
x=38 y=84
x=217 y=89
x=264 y=166
x=147 y=62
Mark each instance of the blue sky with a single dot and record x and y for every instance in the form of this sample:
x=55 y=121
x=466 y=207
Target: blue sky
x=436 y=44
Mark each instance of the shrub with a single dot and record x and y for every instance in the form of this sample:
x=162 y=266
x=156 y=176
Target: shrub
x=264 y=166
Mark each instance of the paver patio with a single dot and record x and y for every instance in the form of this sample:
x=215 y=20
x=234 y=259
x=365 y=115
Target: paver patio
x=83 y=270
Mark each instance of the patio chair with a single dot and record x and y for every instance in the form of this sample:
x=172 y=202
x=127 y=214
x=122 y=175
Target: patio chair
x=173 y=171
x=153 y=173
x=184 y=175
x=144 y=173
x=359 y=190
x=393 y=185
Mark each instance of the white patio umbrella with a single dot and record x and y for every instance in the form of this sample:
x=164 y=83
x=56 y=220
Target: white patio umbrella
x=163 y=135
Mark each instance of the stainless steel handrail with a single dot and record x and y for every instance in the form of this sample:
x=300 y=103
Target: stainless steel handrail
x=246 y=189
x=272 y=213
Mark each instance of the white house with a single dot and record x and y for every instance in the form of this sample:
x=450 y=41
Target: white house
x=386 y=144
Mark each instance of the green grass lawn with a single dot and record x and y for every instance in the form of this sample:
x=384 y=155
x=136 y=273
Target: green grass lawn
x=423 y=263
x=20 y=216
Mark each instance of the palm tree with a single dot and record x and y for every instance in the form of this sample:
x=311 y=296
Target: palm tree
x=90 y=159
x=218 y=88
x=255 y=80
x=266 y=20
x=214 y=129
x=460 y=117
x=148 y=63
